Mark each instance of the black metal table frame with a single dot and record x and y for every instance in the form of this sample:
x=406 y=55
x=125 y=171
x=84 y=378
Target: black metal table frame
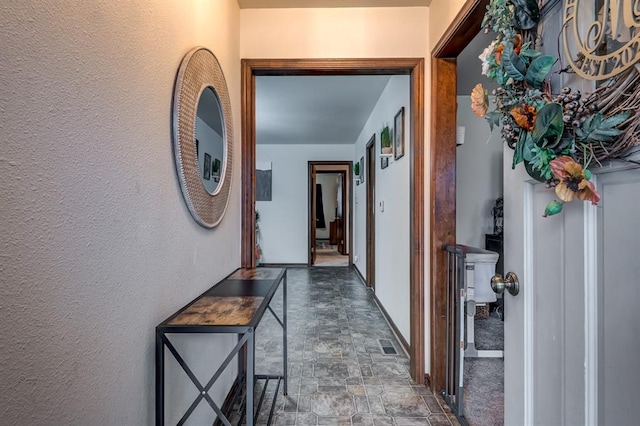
x=246 y=338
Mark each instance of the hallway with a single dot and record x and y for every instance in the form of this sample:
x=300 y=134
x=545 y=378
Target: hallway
x=338 y=371
x=328 y=255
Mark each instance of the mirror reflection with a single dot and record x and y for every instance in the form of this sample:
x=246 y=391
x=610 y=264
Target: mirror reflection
x=210 y=140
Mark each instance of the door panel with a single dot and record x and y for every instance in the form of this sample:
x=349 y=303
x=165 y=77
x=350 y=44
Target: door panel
x=619 y=295
x=572 y=334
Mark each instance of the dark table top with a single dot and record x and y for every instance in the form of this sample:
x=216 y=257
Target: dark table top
x=239 y=300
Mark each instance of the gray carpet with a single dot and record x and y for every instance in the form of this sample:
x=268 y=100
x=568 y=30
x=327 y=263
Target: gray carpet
x=484 y=377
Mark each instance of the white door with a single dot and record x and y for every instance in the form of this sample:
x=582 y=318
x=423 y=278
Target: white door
x=572 y=333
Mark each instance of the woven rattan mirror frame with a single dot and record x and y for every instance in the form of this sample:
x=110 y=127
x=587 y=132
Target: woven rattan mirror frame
x=198 y=70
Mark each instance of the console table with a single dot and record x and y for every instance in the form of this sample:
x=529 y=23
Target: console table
x=234 y=305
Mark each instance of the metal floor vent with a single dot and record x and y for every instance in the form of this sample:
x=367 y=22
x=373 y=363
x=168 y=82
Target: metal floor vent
x=387 y=347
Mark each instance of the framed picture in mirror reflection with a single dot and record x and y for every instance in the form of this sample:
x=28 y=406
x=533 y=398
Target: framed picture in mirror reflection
x=207 y=167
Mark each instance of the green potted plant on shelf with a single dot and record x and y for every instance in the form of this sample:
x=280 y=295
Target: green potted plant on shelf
x=385 y=140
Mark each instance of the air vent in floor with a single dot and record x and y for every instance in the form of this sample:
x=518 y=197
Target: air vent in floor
x=387 y=347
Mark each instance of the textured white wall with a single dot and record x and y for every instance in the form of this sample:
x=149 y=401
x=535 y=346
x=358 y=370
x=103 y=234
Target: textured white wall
x=478 y=176
x=392 y=224
x=284 y=224
x=96 y=243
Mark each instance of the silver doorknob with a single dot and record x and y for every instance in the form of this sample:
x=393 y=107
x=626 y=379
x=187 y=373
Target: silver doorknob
x=510 y=282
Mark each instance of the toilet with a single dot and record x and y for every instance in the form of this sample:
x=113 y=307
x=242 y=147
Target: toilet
x=480 y=266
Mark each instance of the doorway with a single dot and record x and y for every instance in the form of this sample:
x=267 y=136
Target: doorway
x=330 y=214
x=443 y=159
x=414 y=68
x=371 y=209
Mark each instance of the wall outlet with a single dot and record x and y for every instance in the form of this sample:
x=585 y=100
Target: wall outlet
x=381 y=206
x=356 y=258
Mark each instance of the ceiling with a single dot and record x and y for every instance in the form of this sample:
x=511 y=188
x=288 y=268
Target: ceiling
x=209 y=110
x=315 y=109
x=264 y=4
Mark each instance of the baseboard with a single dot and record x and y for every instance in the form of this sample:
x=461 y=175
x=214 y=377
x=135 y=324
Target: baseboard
x=385 y=314
x=355 y=268
x=283 y=265
x=227 y=405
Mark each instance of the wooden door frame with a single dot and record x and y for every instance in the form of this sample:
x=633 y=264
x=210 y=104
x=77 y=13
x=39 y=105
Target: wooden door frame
x=312 y=228
x=442 y=227
x=414 y=67
x=371 y=218
x=348 y=182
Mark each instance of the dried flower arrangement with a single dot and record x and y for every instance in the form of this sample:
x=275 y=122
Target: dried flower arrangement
x=556 y=136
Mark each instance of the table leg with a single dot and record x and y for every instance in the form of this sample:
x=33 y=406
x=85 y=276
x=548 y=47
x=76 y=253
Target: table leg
x=250 y=377
x=284 y=332
x=159 y=379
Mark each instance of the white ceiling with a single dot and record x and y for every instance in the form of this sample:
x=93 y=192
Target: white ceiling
x=263 y=4
x=314 y=109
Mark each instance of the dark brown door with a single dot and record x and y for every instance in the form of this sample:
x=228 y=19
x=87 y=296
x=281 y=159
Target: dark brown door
x=370 y=181
x=342 y=224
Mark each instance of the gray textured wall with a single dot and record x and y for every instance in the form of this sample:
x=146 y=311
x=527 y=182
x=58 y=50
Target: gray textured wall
x=96 y=243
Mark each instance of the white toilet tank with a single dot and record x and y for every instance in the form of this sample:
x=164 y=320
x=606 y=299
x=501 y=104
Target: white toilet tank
x=480 y=266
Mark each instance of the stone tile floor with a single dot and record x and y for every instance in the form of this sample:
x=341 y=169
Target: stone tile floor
x=338 y=372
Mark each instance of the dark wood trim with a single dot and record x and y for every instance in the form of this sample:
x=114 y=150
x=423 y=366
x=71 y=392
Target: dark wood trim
x=248 y=183
x=442 y=227
x=377 y=66
x=416 y=226
x=348 y=181
x=443 y=205
x=414 y=67
x=405 y=345
x=311 y=228
x=370 y=217
x=465 y=26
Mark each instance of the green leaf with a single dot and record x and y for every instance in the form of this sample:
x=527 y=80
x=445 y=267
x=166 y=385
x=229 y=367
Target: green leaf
x=533 y=172
x=529 y=53
x=540 y=163
x=513 y=64
x=538 y=71
x=527 y=13
x=549 y=127
x=527 y=148
x=518 y=153
x=598 y=129
x=616 y=120
x=493 y=118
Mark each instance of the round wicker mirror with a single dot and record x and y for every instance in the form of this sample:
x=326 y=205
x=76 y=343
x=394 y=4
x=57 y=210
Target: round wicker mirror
x=200 y=72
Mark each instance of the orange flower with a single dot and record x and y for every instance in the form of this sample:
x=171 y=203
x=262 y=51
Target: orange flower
x=573 y=182
x=525 y=116
x=517 y=44
x=479 y=100
x=498 y=52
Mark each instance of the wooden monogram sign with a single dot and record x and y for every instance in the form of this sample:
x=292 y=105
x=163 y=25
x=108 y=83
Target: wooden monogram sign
x=607 y=43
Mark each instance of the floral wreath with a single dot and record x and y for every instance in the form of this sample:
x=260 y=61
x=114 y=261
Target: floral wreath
x=557 y=137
